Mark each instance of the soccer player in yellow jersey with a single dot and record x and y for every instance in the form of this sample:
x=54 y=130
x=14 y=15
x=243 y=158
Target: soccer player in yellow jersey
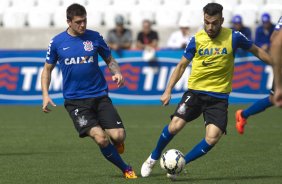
x=212 y=53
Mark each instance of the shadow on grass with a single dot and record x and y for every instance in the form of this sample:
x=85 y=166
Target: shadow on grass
x=228 y=178
x=31 y=153
x=139 y=175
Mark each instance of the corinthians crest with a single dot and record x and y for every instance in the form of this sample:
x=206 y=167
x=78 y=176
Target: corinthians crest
x=82 y=121
x=88 y=46
x=182 y=109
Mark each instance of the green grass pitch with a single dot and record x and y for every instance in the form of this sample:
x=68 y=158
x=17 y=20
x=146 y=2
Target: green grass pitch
x=38 y=148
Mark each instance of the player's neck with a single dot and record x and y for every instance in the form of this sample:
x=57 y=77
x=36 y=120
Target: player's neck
x=72 y=33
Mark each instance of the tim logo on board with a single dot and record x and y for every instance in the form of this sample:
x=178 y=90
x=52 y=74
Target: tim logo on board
x=145 y=82
x=20 y=81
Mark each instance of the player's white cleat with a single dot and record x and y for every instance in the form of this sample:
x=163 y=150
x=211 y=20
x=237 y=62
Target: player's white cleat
x=147 y=167
x=171 y=176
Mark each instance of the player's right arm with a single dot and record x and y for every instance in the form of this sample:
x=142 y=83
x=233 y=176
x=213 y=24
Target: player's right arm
x=51 y=60
x=188 y=55
x=176 y=75
x=276 y=54
x=45 y=82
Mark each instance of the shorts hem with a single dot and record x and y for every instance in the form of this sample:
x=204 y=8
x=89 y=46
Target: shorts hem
x=83 y=133
x=222 y=129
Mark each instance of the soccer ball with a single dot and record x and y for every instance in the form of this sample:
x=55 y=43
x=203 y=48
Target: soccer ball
x=172 y=161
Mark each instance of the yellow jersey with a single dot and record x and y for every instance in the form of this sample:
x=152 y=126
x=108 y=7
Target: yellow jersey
x=213 y=60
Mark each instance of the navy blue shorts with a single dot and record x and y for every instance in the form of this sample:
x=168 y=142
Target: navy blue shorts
x=214 y=110
x=91 y=112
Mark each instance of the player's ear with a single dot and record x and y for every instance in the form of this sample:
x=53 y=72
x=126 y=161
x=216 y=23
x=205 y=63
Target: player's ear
x=69 y=22
x=222 y=20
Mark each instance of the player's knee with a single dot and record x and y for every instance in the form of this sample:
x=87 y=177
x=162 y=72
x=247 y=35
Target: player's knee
x=176 y=125
x=213 y=134
x=118 y=135
x=212 y=140
x=174 y=129
x=102 y=141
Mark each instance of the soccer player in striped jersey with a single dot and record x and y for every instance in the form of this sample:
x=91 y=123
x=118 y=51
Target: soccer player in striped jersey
x=212 y=52
x=84 y=87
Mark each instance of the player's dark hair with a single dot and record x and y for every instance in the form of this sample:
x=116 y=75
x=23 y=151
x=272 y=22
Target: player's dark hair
x=213 y=9
x=75 y=10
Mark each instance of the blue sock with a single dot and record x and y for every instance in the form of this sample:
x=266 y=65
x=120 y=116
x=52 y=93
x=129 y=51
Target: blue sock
x=164 y=139
x=111 y=154
x=257 y=107
x=199 y=150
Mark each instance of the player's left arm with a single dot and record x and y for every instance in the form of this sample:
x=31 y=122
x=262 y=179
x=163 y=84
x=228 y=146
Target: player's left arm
x=115 y=70
x=261 y=54
x=105 y=53
x=241 y=41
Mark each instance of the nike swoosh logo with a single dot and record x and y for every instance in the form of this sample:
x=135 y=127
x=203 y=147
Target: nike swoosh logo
x=109 y=155
x=204 y=63
x=65 y=48
x=119 y=122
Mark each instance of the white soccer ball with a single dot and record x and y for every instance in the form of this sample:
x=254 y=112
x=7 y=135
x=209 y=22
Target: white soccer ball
x=172 y=161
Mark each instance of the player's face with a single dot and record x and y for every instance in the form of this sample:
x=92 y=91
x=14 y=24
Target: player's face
x=212 y=24
x=78 y=25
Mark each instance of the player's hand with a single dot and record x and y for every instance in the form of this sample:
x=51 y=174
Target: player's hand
x=278 y=97
x=165 y=98
x=47 y=100
x=118 y=78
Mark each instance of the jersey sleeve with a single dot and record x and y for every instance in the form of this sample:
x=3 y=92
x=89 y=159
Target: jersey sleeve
x=190 y=49
x=52 y=55
x=279 y=24
x=239 y=40
x=103 y=48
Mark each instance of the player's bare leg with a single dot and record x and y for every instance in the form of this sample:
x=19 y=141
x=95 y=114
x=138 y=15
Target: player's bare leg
x=110 y=152
x=99 y=136
x=117 y=136
x=176 y=125
x=213 y=135
x=167 y=134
